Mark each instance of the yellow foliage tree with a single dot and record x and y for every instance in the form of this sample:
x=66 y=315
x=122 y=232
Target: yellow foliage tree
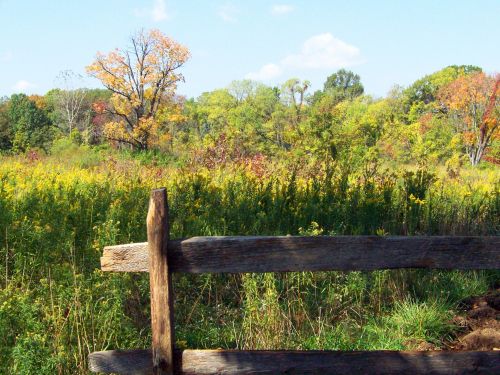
x=142 y=78
x=472 y=102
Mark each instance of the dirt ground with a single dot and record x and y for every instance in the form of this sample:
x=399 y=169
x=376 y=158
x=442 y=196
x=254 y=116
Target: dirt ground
x=480 y=324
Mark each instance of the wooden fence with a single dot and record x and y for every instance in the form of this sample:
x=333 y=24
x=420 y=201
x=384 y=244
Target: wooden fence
x=161 y=256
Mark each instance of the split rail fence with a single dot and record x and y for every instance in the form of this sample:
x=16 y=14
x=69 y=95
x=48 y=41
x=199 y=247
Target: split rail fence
x=161 y=256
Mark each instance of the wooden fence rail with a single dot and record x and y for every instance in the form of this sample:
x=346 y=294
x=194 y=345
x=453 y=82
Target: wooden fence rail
x=232 y=362
x=324 y=253
x=161 y=256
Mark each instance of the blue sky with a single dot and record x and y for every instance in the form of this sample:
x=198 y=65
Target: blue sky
x=386 y=42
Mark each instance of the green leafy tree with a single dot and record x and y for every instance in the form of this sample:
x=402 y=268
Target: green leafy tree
x=343 y=85
x=30 y=123
x=214 y=108
x=6 y=133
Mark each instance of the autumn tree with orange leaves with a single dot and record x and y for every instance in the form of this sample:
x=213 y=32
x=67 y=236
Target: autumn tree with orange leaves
x=472 y=102
x=143 y=78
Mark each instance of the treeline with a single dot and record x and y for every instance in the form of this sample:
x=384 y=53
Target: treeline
x=35 y=122
x=449 y=117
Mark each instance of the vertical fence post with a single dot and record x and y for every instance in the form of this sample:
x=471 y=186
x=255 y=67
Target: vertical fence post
x=162 y=317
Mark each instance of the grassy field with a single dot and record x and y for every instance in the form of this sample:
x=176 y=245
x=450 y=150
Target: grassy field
x=57 y=213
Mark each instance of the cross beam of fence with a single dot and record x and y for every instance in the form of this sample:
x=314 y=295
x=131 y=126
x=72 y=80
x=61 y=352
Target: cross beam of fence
x=232 y=362
x=322 y=253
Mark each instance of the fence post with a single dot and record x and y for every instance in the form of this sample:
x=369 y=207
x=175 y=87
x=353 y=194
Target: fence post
x=162 y=314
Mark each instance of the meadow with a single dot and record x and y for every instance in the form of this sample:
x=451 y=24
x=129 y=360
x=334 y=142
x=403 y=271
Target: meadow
x=272 y=153
x=57 y=212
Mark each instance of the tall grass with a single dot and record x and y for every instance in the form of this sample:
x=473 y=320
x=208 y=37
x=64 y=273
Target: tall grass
x=56 y=306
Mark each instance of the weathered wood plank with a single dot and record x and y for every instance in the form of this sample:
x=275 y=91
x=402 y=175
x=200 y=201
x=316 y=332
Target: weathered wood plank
x=303 y=362
x=121 y=362
x=290 y=253
x=133 y=257
x=162 y=305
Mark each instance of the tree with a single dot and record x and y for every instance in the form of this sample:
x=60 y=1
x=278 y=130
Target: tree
x=426 y=88
x=421 y=95
x=472 y=102
x=6 y=132
x=294 y=94
x=343 y=85
x=30 y=123
x=214 y=108
x=243 y=89
x=71 y=99
x=141 y=78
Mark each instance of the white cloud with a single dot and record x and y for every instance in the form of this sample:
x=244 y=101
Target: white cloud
x=23 y=86
x=279 y=9
x=267 y=72
x=228 y=12
x=324 y=51
x=158 y=11
x=6 y=56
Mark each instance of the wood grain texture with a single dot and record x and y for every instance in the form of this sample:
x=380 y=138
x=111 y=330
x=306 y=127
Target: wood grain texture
x=229 y=362
x=290 y=253
x=133 y=257
x=162 y=318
